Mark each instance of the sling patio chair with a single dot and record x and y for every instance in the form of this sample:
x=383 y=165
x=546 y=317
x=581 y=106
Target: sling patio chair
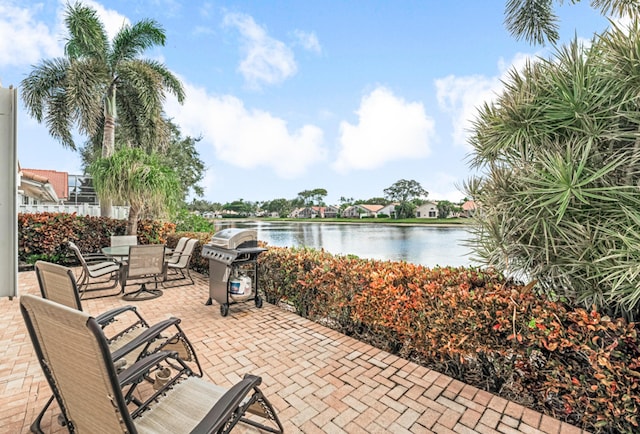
x=57 y=283
x=179 y=264
x=177 y=251
x=146 y=263
x=95 y=266
x=95 y=398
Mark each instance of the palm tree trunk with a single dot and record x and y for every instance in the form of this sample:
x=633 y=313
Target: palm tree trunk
x=108 y=140
x=132 y=221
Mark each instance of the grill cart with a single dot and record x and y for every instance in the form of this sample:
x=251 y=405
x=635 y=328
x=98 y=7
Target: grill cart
x=233 y=267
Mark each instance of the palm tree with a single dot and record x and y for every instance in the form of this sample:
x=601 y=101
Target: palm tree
x=536 y=22
x=132 y=176
x=100 y=84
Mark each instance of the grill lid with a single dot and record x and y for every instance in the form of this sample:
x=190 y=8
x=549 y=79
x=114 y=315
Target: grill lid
x=233 y=238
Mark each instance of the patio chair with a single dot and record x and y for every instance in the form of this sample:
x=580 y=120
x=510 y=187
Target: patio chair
x=94 y=397
x=124 y=240
x=179 y=266
x=57 y=283
x=95 y=266
x=144 y=262
x=177 y=251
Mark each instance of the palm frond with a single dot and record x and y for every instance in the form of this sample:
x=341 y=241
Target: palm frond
x=629 y=8
x=87 y=35
x=45 y=80
x=131 y=41
x=532 y=20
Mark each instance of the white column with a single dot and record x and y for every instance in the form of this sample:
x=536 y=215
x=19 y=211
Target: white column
x=8 y=193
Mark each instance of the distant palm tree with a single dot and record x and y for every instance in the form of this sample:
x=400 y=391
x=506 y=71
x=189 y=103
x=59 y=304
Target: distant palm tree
x=132 y=176
x=536 y=22
x=101 y=83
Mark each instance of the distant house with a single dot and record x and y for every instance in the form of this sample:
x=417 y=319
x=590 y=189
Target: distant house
x=327 y=212
x=469 y=209
x=362 y=211
x=311 y=212
x=36 y=189
x=388 y=210
x=307 y=213
x=428 y=210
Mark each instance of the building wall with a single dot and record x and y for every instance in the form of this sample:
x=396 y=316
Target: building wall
x=427 y=211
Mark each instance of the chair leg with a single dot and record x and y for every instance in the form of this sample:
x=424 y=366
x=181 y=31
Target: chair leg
x=35 y=426
x=182 y=276
x=142 y=293
x=259 y=405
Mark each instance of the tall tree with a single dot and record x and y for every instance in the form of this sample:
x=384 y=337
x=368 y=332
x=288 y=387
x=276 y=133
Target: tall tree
x=537 y=23
x=312 y=197
x=100 y=84
x=404 y=192
x=133 y=177
x=183 y=157
x=240 y=206
x=280 y=206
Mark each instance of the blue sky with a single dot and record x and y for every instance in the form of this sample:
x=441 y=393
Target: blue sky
x=291 y=95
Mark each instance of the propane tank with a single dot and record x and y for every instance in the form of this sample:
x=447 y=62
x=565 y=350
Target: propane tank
x=245 y=284
x=235 y=286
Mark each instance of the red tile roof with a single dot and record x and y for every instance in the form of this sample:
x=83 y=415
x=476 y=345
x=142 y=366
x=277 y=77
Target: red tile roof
x=469 y=206
x=59 y=180
x=372 y=208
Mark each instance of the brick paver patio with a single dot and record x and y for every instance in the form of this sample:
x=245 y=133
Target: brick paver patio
x=319 y=380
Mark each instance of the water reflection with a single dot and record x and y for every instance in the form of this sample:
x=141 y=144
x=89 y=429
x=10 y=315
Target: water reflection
x=427 y=245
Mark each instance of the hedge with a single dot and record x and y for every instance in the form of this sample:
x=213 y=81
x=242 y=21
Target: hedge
x=474 y=325
x=44 y=236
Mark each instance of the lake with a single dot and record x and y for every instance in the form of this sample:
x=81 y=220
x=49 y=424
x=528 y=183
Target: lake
x=419 y=244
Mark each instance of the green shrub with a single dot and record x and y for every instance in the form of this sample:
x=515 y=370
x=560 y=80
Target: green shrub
x=559 y=153
x=190 y=222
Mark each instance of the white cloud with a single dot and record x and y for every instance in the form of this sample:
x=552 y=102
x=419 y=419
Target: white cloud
x=203 y=30
x=308 y=41
x=389 y=128
x=442 y=186
x=461 y=97
x=267 y=60
x=247 y=138
x=23 y=39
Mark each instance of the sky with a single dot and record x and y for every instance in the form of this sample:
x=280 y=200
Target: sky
x=290 y=95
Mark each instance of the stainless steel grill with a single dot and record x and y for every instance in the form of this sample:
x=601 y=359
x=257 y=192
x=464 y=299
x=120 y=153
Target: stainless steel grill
x=233 y=267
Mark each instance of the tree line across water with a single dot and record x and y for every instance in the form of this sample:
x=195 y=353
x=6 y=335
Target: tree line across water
x=407 y=195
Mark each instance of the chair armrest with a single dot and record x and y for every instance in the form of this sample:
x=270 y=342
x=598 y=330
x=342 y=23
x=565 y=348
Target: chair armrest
x=145 y=338
x=177 y=258
x=107 y=317
x=220 y=413
x=94 y=257
x=139 y=369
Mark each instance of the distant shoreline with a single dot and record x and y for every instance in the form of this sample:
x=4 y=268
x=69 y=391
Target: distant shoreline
x=382 y=221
